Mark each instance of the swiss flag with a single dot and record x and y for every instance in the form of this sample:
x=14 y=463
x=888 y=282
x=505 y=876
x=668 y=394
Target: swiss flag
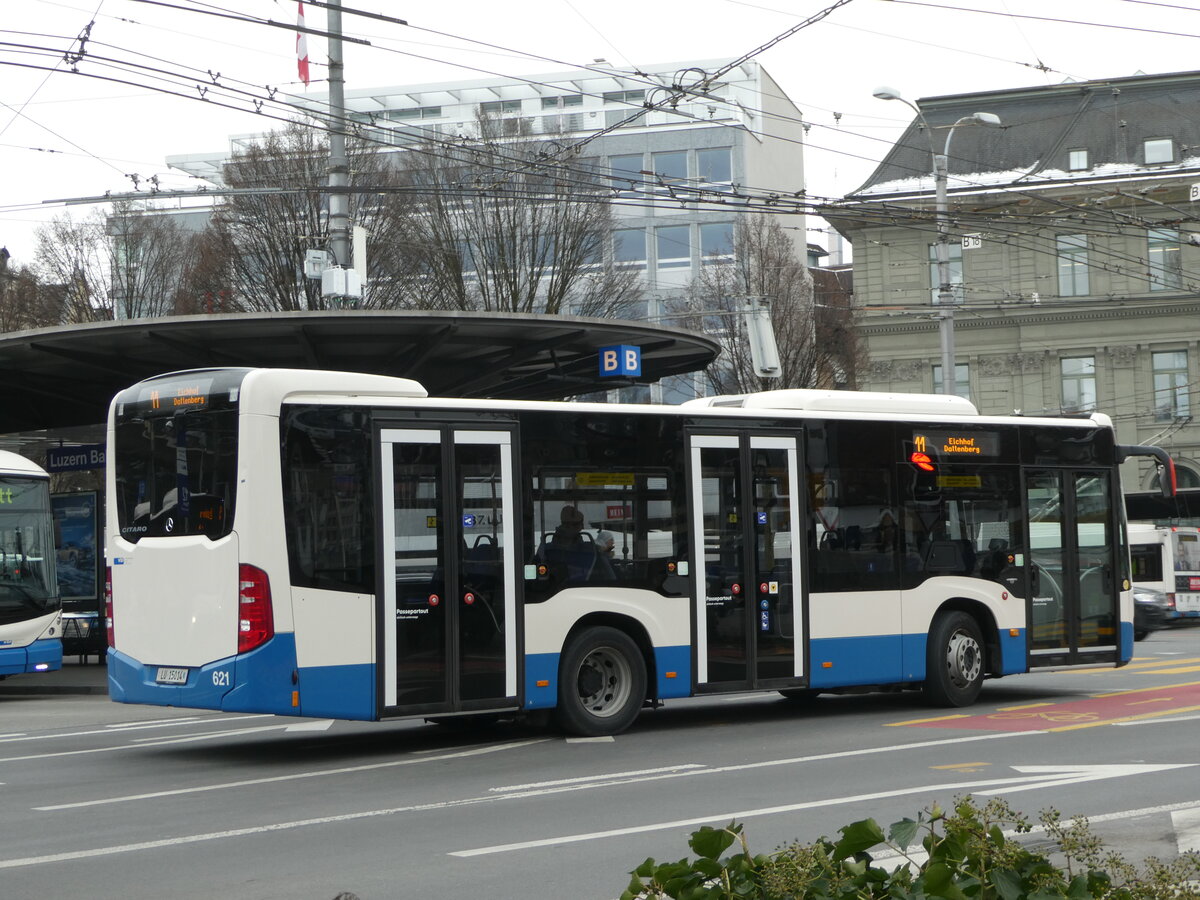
x=301 y=45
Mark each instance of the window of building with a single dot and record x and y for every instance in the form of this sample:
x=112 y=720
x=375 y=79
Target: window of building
x=614 y=117
x=1078 y=383
x=1166 y=273
x=962 y=380
x=416 y=112
x=673 y=245
x=716 y=242
x=624 y=96
x=1077 y=160
x=629 y=247
x=626 y=173
x=1072 y=265
x=714 y=167
x=670 y=167
x=501 y=106
x=564 y=100
x=1159 y=150
x=1171 y=391
x=954 y=272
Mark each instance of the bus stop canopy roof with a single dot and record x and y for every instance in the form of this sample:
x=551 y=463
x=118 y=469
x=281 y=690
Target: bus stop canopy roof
x=62 y=377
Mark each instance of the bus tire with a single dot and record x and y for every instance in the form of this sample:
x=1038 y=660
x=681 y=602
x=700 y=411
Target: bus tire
x=601 y=684
x=954 y=660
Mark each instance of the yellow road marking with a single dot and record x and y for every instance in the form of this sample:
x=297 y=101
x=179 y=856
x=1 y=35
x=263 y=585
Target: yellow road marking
x=1165 y=687
x=1026 y=706
x=922 y=721
x=974 y=765
x=1151 y=715
x=1154 y=664
x=1182 y=670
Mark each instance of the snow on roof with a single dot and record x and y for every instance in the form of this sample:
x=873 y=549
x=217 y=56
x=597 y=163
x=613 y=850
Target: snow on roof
x=924 y=184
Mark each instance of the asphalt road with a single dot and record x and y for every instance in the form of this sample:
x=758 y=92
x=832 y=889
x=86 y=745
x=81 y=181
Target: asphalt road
x=109 y=801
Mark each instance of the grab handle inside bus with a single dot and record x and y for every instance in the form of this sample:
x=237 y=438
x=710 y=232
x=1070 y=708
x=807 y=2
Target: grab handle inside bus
x=1166 y=473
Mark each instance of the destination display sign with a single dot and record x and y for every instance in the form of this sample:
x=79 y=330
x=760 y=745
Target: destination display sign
x=192 y=393
x=953 y=444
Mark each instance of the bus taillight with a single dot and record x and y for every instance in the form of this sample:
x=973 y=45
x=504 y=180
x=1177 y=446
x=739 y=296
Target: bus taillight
x=256 y=623
x=108 y=612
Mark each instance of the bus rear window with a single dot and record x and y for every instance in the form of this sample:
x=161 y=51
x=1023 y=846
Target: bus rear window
x=175 y=463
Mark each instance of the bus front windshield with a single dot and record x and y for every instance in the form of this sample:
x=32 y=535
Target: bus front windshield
x=28 y=586
x=175 y=457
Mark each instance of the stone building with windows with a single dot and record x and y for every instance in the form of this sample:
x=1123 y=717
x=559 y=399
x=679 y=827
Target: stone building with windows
x=743 y=131
x=1074 y=256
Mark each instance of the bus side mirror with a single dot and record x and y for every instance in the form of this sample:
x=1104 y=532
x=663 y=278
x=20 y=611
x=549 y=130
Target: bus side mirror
x=1166 y=472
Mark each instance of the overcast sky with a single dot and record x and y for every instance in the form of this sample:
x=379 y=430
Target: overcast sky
x=77 y=126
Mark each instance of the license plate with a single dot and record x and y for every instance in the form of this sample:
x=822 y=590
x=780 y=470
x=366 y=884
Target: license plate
x=1187 y=602
x=171 y=676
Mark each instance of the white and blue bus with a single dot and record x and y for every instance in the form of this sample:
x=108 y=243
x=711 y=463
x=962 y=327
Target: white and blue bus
x=30 y=607
x=342 y=545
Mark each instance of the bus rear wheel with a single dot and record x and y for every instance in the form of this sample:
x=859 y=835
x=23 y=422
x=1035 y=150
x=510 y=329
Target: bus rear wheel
x=954 y=660
x=602 y=683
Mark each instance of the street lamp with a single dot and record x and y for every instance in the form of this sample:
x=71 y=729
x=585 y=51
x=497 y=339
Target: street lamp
x=942 y=249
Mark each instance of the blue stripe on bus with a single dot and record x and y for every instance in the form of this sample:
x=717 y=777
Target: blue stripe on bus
x=1013 y=652
x=861 y=660
x=1126 y=641
x=338 y=692
x=258 y=681
x=892 y=659
x=679 y=661
x=543 y=667
x=20 y=660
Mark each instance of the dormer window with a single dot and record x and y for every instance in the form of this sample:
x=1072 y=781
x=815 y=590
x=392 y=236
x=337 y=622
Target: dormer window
x=1077 y=160
x=1159 y=150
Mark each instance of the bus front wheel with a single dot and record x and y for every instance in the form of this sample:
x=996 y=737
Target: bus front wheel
x=954 y=660
x=602 y=683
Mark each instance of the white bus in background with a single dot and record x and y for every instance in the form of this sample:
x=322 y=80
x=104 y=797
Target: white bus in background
x=1166 y=558
x=343 y=545
x=30 y=607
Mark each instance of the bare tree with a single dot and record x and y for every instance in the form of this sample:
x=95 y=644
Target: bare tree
x=502 y=224
x=252 y=257
x=24 y=301
x=126 y=264
x=765 y=268
x=70 y=255
x=148 y=255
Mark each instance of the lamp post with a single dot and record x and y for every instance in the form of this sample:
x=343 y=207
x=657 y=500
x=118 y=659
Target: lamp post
x=945 y=295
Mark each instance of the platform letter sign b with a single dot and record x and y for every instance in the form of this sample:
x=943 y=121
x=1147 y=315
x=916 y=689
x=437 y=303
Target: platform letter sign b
x=620 y=359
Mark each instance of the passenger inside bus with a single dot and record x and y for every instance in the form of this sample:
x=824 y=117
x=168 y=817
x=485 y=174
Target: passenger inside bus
x=574 y=551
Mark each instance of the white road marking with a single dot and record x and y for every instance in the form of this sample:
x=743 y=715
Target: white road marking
x=1187 y=829
x=1083 y=773
x=1190 y=718
x=121 y=729
x=585 y=778
x=607 y=739
x=205 y=735
x=315 y=725
x=295 y=776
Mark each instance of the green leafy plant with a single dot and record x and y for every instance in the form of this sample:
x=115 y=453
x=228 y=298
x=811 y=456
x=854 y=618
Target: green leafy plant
x=971 y=853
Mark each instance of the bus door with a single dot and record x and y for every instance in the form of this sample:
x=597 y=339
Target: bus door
x=448 y=593
x=749 y=609
x=1074 y=575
